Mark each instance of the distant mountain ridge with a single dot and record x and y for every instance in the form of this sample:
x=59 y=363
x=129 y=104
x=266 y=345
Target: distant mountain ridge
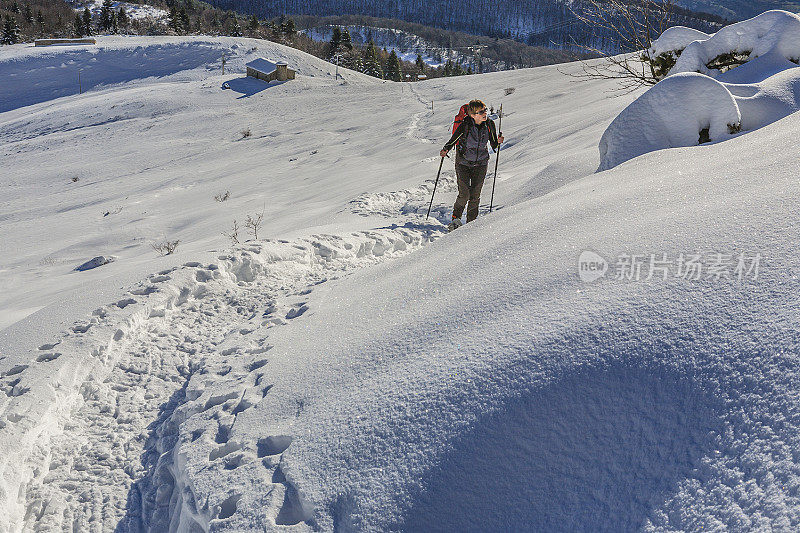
x=738 y=9
x=549 y=23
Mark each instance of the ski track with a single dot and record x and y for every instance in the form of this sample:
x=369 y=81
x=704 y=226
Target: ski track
x=413 y=127
x=97 y=419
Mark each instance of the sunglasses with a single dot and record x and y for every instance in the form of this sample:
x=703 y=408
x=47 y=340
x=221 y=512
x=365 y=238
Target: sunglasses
x=483 y=112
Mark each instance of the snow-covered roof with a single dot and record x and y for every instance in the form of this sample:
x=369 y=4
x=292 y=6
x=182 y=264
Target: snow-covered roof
x=262 y=65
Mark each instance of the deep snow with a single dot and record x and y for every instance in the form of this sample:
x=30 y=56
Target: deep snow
x=357 y=369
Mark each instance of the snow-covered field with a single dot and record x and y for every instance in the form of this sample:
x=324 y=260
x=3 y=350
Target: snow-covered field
x=356 y=368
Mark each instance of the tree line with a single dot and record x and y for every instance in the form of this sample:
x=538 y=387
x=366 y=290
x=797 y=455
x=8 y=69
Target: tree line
x=549 y=23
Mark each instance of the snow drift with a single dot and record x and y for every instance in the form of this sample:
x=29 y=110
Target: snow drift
x=721 y=94
x=671 y=114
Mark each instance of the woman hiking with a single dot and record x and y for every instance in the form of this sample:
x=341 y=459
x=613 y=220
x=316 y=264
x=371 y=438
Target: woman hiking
x=472 y=158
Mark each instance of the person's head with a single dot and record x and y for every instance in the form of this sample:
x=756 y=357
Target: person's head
x=477 y=110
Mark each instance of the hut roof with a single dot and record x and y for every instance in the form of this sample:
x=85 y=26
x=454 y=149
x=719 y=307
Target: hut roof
x=263 y=65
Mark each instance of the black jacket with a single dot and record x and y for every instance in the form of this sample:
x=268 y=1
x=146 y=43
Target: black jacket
x=463 y=129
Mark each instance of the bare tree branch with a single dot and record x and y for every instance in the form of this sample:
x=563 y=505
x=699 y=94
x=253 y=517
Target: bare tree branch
x=632 y=25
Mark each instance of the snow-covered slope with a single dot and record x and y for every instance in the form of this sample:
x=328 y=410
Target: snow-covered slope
x=356 y=369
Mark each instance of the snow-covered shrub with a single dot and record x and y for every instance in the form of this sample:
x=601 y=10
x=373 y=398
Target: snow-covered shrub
x=774 y=33
x=165 y=247
x=672 y=113
x=665 y=51
x=702 y=98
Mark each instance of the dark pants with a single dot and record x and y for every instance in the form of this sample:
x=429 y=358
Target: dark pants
x=470 y=182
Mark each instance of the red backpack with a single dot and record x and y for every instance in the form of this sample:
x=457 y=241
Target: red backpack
x=462 y=114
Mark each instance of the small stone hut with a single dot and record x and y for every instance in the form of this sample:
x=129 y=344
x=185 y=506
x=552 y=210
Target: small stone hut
x=264 y=69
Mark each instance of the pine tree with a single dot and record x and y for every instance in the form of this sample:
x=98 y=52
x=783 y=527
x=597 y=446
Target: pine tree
x=372 y=64
x=15 y=7
x=122 y=18
x=174 y=19
x=393 y=71
x=28 y=16
x=40 y=22
x=87 y=21
x=10 y=31
x=105 y=15
x=78 y=29
x=253 y=23
x=288 y=28
x=353 y=61
x=183 y=19
x=347 y=42
x=420 y=64
x=236 y=29
x=336 y=39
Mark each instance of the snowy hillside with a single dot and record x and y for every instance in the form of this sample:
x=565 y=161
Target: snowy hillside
x=605 y=351
x=407 y=46
x=134 y=11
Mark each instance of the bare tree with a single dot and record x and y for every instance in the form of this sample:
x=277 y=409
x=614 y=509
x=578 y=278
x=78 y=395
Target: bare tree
x=165 y=247
x=632 y=25
x=253 y=223
x=233 y=235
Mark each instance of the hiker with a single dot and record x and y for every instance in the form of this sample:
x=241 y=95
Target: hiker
x=472 y=157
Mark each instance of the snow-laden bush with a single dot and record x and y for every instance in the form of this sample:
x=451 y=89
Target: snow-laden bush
x=775 y=33
x=675 y=112
x=702 y=97
x=666 y=50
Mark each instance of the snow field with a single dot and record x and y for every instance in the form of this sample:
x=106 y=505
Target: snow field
x=106 y=455
x=114 y=457
x=473 y=384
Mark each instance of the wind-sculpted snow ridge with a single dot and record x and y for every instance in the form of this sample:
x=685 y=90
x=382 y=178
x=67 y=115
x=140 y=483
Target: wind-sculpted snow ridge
x=95 y=433
x=706 y=96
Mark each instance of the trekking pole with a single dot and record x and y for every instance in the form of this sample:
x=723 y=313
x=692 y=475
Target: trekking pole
x=434 y=187
x=496 y=159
